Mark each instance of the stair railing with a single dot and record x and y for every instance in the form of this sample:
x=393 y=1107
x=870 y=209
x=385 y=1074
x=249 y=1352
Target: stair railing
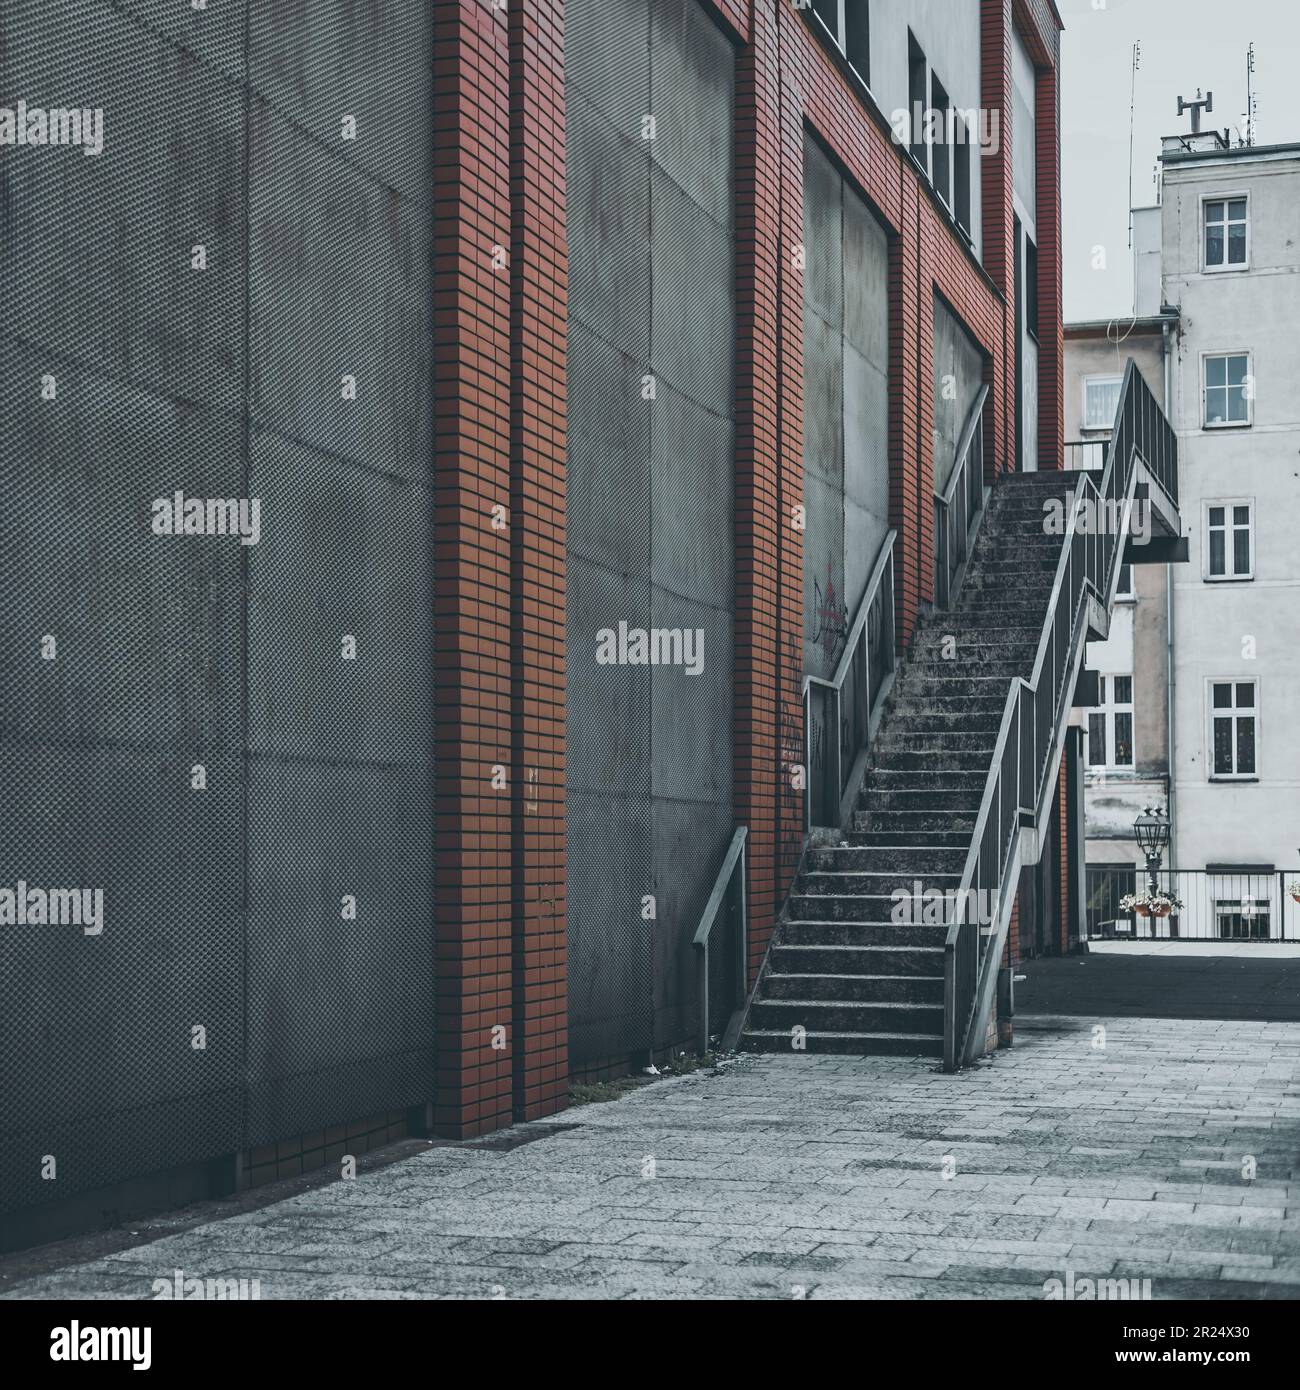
x=958 y=507
x=848 y=702
x=732 y=861
x=1036 y=710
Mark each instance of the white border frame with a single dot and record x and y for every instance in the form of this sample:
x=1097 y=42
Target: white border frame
x=1227 y=503
x=1084 y=427
x=1249 y=355
x=1210 y=683
x=1225 y=268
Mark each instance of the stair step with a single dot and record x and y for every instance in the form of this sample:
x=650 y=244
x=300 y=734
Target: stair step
x=851 y=1044
x=847 y=1016
x=856 y=989
x=854 y=883
x=838 y=932
x=857 y=960
x=907 y=859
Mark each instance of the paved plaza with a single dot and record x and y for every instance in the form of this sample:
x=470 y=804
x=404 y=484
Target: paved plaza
x=1114 y=1155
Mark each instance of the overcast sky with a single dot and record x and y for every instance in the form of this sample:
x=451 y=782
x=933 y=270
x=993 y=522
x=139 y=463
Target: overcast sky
x=1185 y=44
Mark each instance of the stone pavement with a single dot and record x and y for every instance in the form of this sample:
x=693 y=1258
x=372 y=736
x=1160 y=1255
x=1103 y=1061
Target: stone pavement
x=822 y=1177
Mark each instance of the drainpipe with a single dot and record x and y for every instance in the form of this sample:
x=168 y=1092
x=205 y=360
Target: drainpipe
x=1165 y=334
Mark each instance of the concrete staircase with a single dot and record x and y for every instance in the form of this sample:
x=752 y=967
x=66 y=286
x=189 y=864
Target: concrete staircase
x=839 y=967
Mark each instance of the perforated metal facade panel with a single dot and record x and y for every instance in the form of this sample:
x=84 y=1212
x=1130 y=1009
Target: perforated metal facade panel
x=650 y=517
x=222 y=906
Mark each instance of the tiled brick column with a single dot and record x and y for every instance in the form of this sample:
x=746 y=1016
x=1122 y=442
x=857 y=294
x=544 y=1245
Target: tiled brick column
x=538 y=327
x=1051 y=330
x=472 y=606
x=760 y=527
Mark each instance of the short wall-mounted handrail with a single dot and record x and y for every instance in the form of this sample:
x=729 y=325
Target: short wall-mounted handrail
x=733 y=859
x=865 y=672
x=1032 y=718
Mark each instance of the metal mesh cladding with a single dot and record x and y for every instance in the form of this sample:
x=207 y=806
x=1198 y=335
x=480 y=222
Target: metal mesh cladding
x=649 y=521
x=126 y=374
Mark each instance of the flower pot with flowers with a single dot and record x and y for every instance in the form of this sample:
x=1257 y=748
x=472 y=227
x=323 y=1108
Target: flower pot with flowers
x=1150 y=904
x=1294 y=889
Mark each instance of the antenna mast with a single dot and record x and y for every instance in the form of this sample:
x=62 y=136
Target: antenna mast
x=1250 y=95
x=1132 y=105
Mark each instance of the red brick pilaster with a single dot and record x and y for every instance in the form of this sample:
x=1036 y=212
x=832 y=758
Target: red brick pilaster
x=472 y=602
x=760 y=529
x=999 y=228
x=538 y=340
x=1051 y=333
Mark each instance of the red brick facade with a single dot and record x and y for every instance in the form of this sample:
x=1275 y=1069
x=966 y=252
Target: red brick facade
x=500 y=397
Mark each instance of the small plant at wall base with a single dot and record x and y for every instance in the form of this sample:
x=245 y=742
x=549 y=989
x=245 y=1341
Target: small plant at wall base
x=1294 y=889
x=1150 y=904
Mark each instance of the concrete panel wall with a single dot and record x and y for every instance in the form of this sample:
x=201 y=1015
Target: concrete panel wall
x=649 y=749
x=958 y=376
x=846 y=404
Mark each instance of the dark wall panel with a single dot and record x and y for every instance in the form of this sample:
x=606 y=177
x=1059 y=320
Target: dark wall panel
x=649 y=525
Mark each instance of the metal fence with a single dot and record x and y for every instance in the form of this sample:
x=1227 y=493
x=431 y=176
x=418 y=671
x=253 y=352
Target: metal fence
x=1237 y=906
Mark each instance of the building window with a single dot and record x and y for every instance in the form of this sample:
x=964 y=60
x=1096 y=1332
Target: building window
x=1125 y=589
x=857 y=37
x=1227 y=234
x=916 y=94
x=1100 y=401
x=942 y=148
x=1227 y=389
x=848 y=23
x=1241 y=919
x=1230 y=539
x=1234 y=728
x=961 y=175
x=1031 y=287
x=1110 y=725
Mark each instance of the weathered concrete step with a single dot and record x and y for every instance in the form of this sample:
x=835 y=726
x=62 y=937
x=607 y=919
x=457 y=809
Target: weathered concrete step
x=847 y=1044
x=856 y=960
x=845 y=907
x=835 y=883
x=988 y=719
x=960 y=750
x=910 y=859
x=916 y=822
x=857 y=989
x=808 y=931
x=914 y=779
x=846 y=1016
x=941 y=799
x=881 y=838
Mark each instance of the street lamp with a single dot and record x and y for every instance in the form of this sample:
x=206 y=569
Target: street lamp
x=1151 y=831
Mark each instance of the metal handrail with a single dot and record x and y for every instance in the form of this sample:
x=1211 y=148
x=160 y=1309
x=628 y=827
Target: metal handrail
x=1088 y=566
x=734 y=856
x=960 y=504
x=855 y=657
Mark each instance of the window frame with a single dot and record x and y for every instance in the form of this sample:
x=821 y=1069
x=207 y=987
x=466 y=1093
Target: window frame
x=1091 y=380
x=1108 y=709
x=1206 y=358
x=1229 y=529
x=1233 y=712
x=1123 y=595
x=1225 y=199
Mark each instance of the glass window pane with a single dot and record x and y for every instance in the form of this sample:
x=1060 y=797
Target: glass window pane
x=1214 y=245
x=1246 y=745
x=1216 y=405
x=1217 y=553
x=1216 y=371
x=1238 y=408
x=1237 y=210
x=1125 y=579
x=1216 y=516
x=1241 y=552
x=1241 y=516
x=1237 y=244
x=1123 y=690
x=1245 y=695
x=1096 y=740
x=1213 y=212
x=1236 y=369
x=1124 y=740
x=1223 y=697
x=1222 y=746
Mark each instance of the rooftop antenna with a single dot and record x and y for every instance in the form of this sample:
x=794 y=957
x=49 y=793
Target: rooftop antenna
x=1205 y=104
x=1132 y=101
x=1250 y=95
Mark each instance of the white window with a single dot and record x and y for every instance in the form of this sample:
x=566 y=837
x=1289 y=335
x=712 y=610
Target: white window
x=1242 y=919
x=1233 y=729
x=1124 y=591
x=1100 y=401
x=1228 y=390
x=1110 y=725
x=1230 y=539
x=1227 y=233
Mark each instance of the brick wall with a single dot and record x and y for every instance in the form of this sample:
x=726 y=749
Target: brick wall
x=500 y=392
